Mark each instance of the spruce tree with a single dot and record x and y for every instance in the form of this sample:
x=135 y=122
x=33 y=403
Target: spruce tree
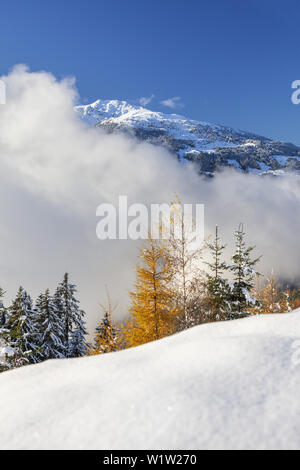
x=3 y=311
x=22 y=330
x=244 y=272
x=218 y=288
x=51 y=332
x=72 y=317
x=3 y=320
x=3 y=334
x=78 y=346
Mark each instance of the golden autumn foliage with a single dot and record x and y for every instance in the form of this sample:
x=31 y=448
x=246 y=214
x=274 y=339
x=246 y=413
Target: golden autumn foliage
x=152 y=314
x=272 y=298
x=171 y=289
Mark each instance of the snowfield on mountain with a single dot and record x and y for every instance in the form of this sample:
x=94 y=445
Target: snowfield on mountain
x=229 y=385
x=210 y=147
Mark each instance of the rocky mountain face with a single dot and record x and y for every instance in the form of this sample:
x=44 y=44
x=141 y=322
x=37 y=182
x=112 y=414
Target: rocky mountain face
x=211 y=147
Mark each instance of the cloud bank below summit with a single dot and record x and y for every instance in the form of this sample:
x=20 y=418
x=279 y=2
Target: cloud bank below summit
x=55 y=171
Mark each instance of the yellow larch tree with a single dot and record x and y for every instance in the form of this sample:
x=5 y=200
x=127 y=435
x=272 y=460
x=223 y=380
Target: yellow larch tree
x=271 y=295
x=153 y=312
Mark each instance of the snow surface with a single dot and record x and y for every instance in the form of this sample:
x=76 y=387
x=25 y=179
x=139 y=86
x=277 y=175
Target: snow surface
x=231 y=385
x=6 y=351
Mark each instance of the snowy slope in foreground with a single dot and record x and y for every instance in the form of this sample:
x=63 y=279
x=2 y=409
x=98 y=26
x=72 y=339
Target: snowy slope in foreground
x=227 y=385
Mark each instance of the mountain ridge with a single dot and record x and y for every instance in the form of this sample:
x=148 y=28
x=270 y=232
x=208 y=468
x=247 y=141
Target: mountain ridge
x=210 y=147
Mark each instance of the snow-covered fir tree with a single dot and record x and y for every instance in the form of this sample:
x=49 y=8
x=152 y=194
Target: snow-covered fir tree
x=3 y=334
x=22 y=332
x=218 y=288
x=72 y=317
x=50 y=328
x=3 y=320
x=244 y=272
x=78 y=346
x=3 y=311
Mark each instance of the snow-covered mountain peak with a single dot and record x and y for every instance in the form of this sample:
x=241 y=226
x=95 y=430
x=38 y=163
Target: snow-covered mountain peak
x=122 y=111
x=209 y=146
x=104 y=109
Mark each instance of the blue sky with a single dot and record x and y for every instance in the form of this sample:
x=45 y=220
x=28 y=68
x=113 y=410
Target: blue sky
x=230 y=62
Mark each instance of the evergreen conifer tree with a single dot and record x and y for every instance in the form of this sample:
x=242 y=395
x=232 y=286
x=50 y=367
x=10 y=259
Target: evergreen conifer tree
x=3 y=311
x=218 y=288
x=23 y=335
x=51 y=332
x=72 y=317
x=244 y=272
x=3 y=320
x=3 y=333
x=78 y=346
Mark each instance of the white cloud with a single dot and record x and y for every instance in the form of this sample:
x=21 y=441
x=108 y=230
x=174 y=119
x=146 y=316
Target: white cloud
x=173 y=103
x=144 y=101
x=54 y=172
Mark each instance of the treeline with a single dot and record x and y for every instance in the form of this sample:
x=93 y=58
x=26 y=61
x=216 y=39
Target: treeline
x=176 y=289
x=53 y=328
x=177 y=286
